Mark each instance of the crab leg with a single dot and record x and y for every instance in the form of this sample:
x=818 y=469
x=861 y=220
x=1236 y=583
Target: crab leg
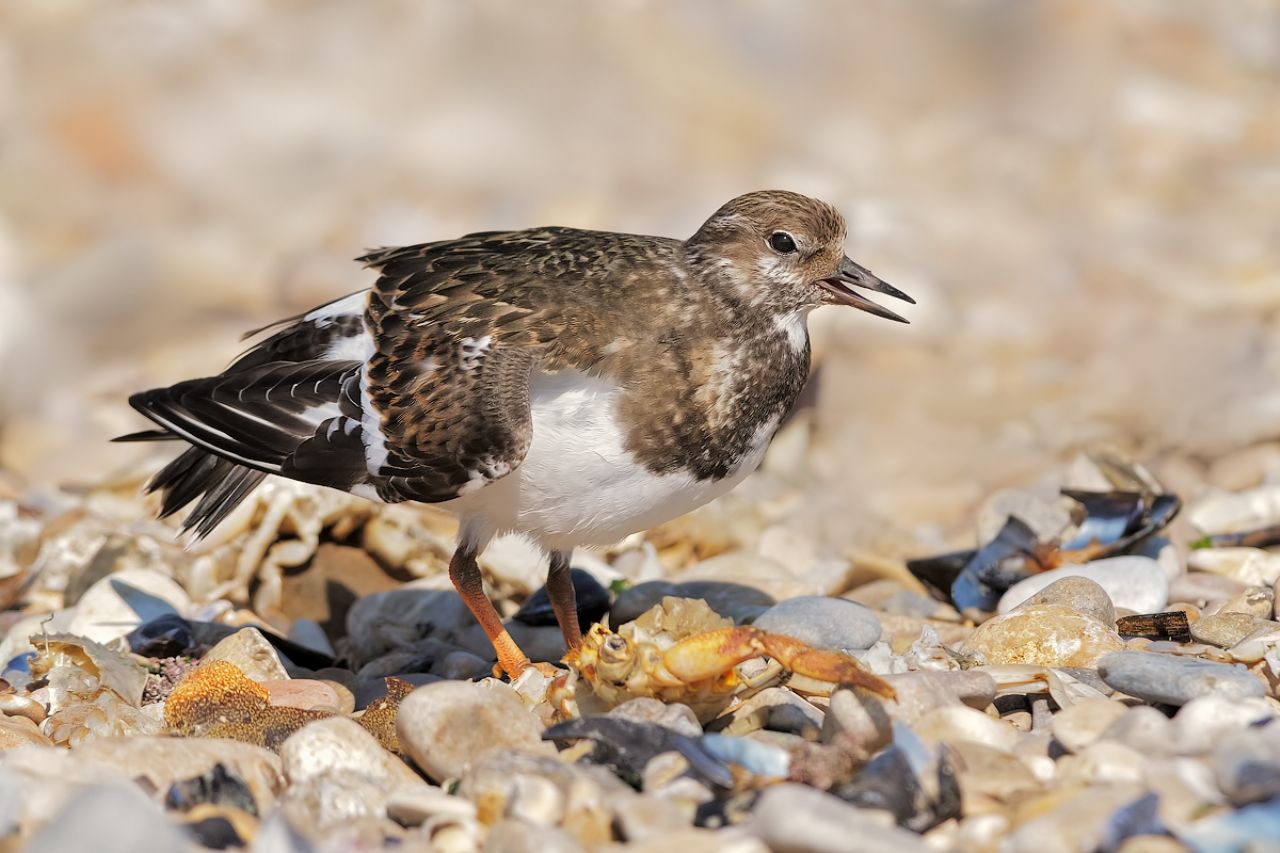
x=714 y=653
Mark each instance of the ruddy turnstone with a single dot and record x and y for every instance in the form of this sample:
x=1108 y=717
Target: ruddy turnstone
x=574 y=386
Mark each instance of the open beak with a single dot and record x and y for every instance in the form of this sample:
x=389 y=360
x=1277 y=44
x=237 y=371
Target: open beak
x=851 y=275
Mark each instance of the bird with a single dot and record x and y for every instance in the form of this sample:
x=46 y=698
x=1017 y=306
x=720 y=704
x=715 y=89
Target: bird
x=570 y=385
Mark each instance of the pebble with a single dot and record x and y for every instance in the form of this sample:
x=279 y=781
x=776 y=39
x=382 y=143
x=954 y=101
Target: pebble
x=1225 y=628
x=249 y=650
x=118 y=819
x=792 y=817
x=1068 y=822
x=413 y=805
x=332 y=801
x=1142 y=727
x=1139 y=584
x=161 y=761
x=733 y=601
x=1256 y=601
x=860 y=719
x=919 y=692
x=1174 y=680
x=1081 y=724
x=675 y=716
x=546 y=792
x=448 y=725
x=309 y=694
x=1246 y=764
x=389 y=620
x=1044 y=635
x=990 y=777
x=1101 y=762
x=959 y=723
x=774 y=708
x=1204 y=721
x=1249 y=566
x=823 y=622
x=1079 y=592
x=340 y=746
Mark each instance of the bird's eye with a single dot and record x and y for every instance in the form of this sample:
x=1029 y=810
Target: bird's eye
x=782 y=242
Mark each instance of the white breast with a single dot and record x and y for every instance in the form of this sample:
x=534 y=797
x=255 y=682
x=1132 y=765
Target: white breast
x=578 y=485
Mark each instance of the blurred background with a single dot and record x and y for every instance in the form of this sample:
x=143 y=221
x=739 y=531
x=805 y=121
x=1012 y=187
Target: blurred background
x=1083 y=197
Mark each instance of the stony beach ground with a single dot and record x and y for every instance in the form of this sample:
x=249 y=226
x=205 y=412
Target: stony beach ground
x=1081 y=197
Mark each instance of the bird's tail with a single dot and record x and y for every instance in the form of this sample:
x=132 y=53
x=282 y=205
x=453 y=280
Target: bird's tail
x=219 y=485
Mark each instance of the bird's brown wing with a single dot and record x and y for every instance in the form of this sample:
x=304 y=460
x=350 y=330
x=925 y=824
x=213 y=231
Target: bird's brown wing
x=458 y=328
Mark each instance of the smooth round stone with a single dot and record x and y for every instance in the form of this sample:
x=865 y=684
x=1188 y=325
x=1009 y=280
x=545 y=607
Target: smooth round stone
x=796 y=817
x=1204 y=722
x=448 y=725
x=734 y=601
x=958 y=722
x=1173 y=680
x=1139 y=584
x=674 y=716
x=1099 y=763
x=1247 y=764
x=1081 y=594
x=249 y=650
x=1224 y=629
x=857 y=717
x=1081 y=724
x=306 y=693
x=1256 y=601
x=1142 y=727
x=340 y=746
x=823 y=622
x=1043 y=635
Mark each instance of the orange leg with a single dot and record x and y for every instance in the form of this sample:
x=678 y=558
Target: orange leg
x=466 y=577
x=563 y=600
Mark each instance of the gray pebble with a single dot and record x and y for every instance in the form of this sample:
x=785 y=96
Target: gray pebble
x=448 y=725
x=823 y=622
x=1173 y=680
x=1134 y=583
x=1081 y=594
x=1224 y=629
x=733 y=601
x=797 y=817
x=1247 y=764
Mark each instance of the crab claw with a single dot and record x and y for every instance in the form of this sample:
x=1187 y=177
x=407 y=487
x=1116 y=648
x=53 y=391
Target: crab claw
x=711 y=654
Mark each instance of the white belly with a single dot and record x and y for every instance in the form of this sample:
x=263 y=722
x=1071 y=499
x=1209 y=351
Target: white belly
x=577 y=484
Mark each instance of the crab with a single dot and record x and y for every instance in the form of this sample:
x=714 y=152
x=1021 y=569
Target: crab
x=682 y=651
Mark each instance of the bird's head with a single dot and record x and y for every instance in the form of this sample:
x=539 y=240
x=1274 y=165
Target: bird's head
x=785 y=251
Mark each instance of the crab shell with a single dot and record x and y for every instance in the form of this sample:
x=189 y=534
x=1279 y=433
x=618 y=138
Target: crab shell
x=699 y=671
